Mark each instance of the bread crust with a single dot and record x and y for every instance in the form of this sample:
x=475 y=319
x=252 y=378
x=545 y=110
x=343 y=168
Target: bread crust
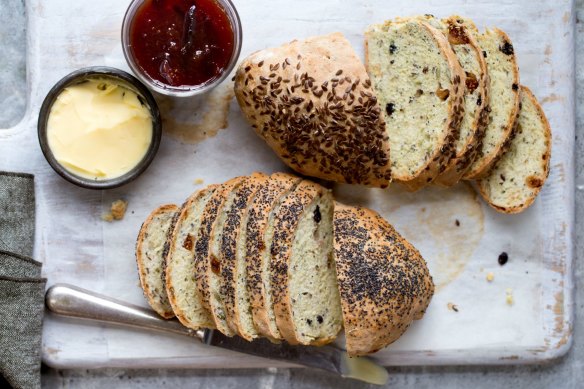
x=285 y=227
x=142 y=271
x=482 y=164
x=231 y=231
x=277 y=185
x=459 y=32
x=312 y=102
x=545 y=160
x=384 y=282
x=173 y=237
x=205 y=262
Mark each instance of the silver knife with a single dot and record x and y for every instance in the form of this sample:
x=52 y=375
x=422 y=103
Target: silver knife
x=72 y=301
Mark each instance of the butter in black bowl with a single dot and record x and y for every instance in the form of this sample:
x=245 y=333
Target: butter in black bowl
x=99 y=127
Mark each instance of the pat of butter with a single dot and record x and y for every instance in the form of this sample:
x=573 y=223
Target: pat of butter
x=99 y=129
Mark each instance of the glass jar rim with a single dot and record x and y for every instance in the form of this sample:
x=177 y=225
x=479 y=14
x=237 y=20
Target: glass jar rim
x=186 y=90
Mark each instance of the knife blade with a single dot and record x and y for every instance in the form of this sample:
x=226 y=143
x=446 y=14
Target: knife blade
x=72 y=301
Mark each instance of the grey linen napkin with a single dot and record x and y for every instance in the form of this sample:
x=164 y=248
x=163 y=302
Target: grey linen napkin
x=21 y=286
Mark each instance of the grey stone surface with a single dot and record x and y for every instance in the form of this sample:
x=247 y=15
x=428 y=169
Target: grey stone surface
x=567 y=372
x=12 y=62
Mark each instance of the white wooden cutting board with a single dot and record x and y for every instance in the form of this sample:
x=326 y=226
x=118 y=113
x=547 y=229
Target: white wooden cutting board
x=76 y=246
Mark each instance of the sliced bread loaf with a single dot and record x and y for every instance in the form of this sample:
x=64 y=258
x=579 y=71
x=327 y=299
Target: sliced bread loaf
x=504 y=91
x=207 y=265
x=232 y=257
x=384 y=282
x=150 y=258
x=520 y=173
x=312 y=102
x=305 y=294
x=461 y=35
x=181 y=286
x=420 y=85
x=260 y=232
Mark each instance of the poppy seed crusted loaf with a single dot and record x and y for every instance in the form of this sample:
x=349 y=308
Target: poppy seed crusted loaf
x=420 y=85
x=150 y=252
x=312 y=102
x=521 y=172
x=384 y=282
x=275 y=257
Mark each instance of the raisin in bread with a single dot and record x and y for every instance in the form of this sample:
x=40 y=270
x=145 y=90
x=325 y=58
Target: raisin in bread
x=150 y=258
x=207 y=260
x=181 y=286
x=233 y=287
x=312 y=102
x=519 y=175
x=383 y=280
x=504 y=91
x=420 y=85
x=260 y=232
x=302 y=271
x=460 y=34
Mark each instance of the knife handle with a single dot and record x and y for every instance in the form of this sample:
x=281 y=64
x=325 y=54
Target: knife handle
x=72 y=301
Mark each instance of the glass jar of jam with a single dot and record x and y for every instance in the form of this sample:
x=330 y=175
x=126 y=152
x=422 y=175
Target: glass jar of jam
x=181 y=47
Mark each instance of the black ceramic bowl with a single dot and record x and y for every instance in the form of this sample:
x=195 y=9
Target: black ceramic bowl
x=118 y=76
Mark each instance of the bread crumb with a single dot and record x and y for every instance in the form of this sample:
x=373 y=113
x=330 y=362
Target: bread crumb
x=452 y=307
x=490 y=276
x=117 y=211
x=198 y=181
x=509 y=298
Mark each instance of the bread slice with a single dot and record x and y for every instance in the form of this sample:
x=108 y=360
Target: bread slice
x=383 y=280
x=233 y=262
x=504 y=91
x=260 y=232
x=461 y=35
x=305 y=294
x=181 y=286
x=150 y=258
x=519 y=175
x=312 y=102
x=207 y=260
x=420 y=85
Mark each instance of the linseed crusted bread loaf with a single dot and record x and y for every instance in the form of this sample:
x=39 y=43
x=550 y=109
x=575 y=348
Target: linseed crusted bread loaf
x=207 y=265
x=460 y=34
x=150 y=258
x=260 y=232
x=312 y=102
x=302 y=271
x=181 y=286
x=420 y=85
x=504 y=91
x=233 y=267
x=519 y=175
x=384 y=282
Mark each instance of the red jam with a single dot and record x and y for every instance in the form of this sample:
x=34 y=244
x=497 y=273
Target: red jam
x=182 y=42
